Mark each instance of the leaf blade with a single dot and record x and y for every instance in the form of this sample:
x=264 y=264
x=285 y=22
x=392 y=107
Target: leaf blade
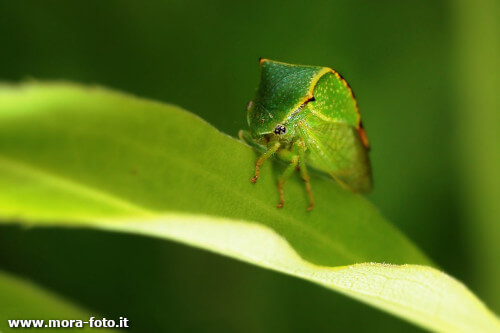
x=102 y=159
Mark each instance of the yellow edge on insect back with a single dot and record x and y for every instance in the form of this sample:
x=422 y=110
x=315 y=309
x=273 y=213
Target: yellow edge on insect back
x=310 y=94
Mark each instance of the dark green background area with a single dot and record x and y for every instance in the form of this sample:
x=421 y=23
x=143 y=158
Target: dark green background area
x=401 y=59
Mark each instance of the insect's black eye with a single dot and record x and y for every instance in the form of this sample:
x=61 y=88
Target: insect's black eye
x=279 y=129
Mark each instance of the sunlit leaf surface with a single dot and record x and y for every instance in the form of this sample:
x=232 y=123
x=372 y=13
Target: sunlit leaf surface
x=74 y=156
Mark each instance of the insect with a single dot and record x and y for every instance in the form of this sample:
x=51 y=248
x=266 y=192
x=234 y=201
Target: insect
x=308 y=117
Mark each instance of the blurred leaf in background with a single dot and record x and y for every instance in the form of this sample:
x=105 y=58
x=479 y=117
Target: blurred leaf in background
x=23 y=300
x=401 y=60
x=476 y=83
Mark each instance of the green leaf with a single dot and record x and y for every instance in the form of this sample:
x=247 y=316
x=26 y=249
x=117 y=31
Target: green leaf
x=22 y=300
x=73 y=156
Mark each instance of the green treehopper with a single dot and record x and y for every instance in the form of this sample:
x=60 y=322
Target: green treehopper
x=308 y=116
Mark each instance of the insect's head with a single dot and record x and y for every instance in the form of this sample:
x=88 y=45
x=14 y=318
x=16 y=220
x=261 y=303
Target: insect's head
x=283 y=91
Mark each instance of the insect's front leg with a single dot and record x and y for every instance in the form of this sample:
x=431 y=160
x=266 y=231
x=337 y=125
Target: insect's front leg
x=270 y=151
x=303 y=172
x=294 y=161
x=247 y=138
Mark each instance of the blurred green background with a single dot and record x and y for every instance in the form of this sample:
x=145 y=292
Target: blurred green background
x=426 y=77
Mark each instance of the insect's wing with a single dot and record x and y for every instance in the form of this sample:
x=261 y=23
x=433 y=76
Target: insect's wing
x=338 y=149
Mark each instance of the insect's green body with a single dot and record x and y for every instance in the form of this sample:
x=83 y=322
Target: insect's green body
x=308 y=115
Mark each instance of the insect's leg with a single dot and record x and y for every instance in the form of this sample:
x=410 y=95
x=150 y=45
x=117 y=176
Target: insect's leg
x=244 y=136
x=304 y=174
x=247 y=138
x=263 y=158
x=288 y=171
